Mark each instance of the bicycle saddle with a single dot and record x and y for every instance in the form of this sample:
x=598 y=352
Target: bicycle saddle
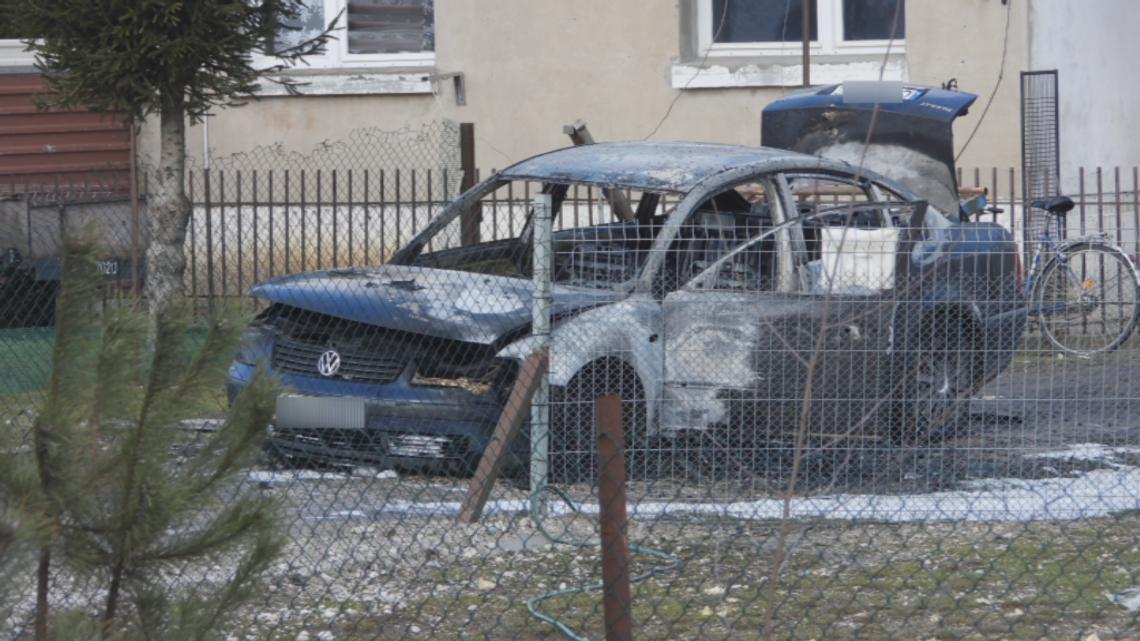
x=1055 y=205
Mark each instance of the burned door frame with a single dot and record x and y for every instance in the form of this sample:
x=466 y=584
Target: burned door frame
x=690 y=403
x=792 y=318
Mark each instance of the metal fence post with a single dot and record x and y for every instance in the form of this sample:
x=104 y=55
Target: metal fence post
x=540 y=326
x=618 y=602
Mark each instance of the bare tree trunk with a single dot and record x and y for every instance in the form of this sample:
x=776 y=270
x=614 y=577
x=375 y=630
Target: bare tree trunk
x=168 y=215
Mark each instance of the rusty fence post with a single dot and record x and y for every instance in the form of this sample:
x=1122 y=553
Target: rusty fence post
x=473 y=217
x=612 y=500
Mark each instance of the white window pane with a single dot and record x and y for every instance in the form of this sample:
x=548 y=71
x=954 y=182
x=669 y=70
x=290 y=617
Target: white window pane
x=391 y=26
x=873 y=19
x=309 y=24
x=761 y=21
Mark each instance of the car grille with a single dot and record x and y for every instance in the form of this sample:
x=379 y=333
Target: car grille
x=356 y=365
x=361 y=445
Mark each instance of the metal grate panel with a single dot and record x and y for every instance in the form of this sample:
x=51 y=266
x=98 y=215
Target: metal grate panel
x=1040 y=147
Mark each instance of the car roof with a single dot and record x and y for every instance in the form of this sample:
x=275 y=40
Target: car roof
x=648 y=166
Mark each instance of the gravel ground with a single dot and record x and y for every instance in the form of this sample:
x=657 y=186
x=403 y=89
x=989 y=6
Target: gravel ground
x=411 y=576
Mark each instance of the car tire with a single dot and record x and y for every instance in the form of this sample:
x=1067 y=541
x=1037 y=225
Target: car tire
x=941 y=377
x=573 y=436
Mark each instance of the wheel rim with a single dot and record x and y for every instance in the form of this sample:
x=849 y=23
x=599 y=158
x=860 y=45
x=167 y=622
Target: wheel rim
x=1091 y=301
x=940 y=404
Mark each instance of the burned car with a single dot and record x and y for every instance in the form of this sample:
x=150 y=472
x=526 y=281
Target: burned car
x=740 y=270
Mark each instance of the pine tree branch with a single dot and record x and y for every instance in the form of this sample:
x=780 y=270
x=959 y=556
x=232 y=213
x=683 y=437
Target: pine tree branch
x=100 y=466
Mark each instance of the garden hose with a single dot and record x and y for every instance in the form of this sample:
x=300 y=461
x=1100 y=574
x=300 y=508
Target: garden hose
x=535 y=513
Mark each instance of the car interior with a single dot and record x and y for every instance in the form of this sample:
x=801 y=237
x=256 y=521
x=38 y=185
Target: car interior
x=612 y=255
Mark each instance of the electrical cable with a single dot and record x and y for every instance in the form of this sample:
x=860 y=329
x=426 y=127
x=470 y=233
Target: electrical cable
x=784 y=36
x=681 y=92
x=510 y=161
x=1001 y=74
x=537 y=516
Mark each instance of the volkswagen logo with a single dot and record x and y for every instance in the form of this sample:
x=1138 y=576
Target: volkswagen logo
x=329 y=363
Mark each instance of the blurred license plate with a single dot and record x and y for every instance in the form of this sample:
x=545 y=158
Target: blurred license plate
x=415 y=446
x=336 y=412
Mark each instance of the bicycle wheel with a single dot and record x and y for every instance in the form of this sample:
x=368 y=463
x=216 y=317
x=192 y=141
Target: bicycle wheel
x=1088 y=299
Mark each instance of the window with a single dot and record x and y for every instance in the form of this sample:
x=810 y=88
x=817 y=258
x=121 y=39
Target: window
x=371 y=33
x=704 y=250
x=593 y=248
x=379 y=47
x=756 y=43
x=758 y=27
x=389 y=27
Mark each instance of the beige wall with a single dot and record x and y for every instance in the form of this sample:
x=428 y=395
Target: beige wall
x=531 y=67
x=963 y=39
x=1097 y=87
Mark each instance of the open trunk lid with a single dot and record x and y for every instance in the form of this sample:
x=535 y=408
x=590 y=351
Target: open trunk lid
x=912 y=142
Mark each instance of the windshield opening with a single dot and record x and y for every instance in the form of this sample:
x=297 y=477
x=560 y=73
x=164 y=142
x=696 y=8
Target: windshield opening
x=599 y=241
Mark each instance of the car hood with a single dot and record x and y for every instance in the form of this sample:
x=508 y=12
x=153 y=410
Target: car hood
x=463 y=306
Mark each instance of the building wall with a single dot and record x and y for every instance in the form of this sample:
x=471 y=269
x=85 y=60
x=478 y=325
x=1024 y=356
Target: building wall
x=531 y=67
x=1095 y=55
x=965 y=39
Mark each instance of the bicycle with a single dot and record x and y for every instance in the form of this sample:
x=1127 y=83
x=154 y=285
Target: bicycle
x=1085 y=292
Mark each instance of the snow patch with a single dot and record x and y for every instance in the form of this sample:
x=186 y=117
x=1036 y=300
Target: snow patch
x=1091 y=494
x=1096 y=493
x=281 y=477
x=1088 y=452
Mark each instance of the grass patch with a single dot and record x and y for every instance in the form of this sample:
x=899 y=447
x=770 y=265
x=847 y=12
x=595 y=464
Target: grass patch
x=25 y=359
x=25 y=367
x=844 y=581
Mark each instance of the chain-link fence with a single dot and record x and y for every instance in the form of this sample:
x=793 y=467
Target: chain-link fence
x=842 y=414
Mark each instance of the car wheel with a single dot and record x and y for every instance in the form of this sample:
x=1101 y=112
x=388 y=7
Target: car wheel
x=573 y=437
x=943 y=376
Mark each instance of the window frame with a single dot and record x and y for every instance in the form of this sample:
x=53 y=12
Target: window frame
x=829 y=26
x=337 y=56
